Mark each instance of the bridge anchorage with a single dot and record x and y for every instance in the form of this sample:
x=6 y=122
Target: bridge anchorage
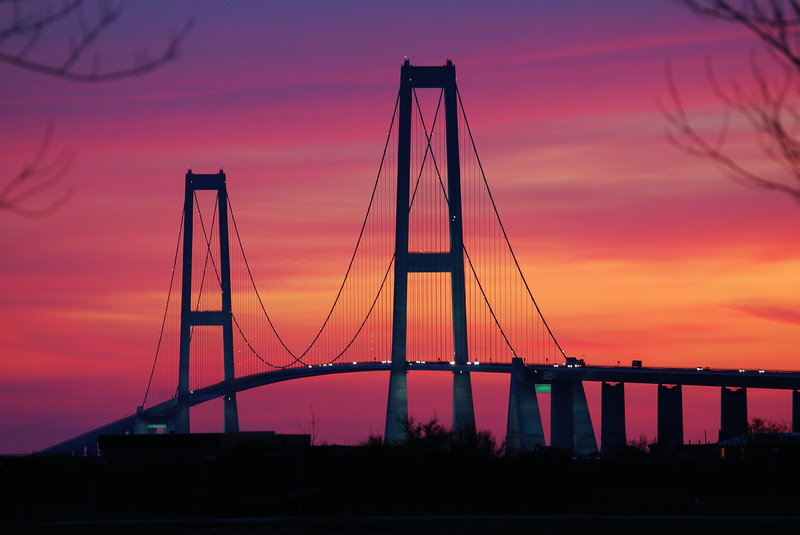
x=459 y=304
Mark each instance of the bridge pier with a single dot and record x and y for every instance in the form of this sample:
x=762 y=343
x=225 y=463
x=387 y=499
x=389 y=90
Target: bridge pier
x=463 y=408
x=612 y=417
x=585 y=441
x=562 y=420
x=570 y=423
x=397 y=405
x=524 y=431
x=795 y=411
x=182 y=414
x=670 y=414
x=733 y=412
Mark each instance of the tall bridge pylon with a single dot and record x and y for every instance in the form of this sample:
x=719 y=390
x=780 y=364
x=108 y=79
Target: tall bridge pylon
x=451 y=261
x=191 y=318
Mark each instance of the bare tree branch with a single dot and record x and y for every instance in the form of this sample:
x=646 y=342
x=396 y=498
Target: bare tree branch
x=37 y=177
x=29 y=24
x=33 y=26
x=768 y=107
x=775 y=22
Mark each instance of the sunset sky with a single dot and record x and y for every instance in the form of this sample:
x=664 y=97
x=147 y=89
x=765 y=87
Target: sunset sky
x=634 y=249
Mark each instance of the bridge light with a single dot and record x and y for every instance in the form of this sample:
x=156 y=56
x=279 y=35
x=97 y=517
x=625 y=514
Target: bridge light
x=354 y=362
x=741 y=371
x=452 y=362
x=760 y=371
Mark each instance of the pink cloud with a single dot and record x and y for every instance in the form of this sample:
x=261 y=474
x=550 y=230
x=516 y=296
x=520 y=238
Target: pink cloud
x=770 y=312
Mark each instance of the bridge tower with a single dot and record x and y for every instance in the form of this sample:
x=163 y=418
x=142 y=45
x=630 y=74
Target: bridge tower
x=406 y=262
x=193 y=318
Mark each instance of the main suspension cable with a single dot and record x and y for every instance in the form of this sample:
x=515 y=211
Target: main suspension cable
x=360 y=234
x=260 y=302
x=166 y=309
x=299 y=359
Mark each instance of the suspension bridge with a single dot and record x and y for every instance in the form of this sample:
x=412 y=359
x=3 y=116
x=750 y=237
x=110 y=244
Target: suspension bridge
x=432 y=284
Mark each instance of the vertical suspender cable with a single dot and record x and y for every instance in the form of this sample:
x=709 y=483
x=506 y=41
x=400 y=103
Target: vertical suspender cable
x=503 y=230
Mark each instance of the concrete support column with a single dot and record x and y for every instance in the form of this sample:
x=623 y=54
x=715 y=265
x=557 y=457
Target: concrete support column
x=670 y=414
x=397 y=405
x=182 y=416
x=230 y=407
x=570 y=423
x=612 y=417
x=584 y=439
x=795 y=411
x=524 y=431
x=562 y=428
x=182 y=423
x=733 y=412
x=463 y=408
x=231 y=416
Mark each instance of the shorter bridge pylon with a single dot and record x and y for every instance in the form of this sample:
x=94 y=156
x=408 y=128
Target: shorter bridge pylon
x=196 y=318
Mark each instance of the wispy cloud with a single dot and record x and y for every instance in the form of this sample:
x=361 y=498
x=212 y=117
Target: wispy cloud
x=768 y=312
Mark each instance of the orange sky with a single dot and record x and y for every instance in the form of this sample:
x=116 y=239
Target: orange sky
x=633 y=249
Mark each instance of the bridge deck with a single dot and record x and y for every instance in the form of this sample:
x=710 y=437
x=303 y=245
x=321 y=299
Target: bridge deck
x=778 y=380
x=545 y=374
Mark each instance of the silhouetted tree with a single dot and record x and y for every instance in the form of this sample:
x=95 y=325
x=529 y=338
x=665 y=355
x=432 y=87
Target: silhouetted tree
x=41 y=174
x=372 y=441
x=641 y=443
x=29 y=26
x=434 y=438
x=768 y=107
x=310 y=428
x=761 y=431
x=431 y=436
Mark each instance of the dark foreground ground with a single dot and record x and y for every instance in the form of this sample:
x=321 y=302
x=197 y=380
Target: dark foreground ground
x=430 y=525
x=423 y=489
